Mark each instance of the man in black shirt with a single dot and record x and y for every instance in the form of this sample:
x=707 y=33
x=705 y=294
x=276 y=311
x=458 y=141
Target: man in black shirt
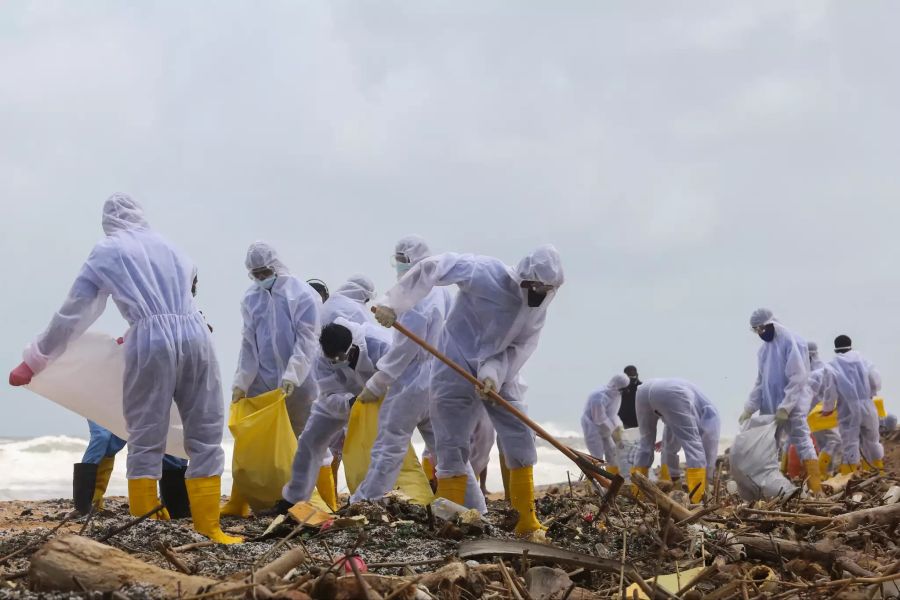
x=626 y=410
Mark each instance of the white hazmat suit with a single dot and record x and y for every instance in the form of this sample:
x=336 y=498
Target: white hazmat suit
x=692 y=424
x=852 y=384
x=280 y=340
x=782 y=384
x=492 y=330
x=339 y=384
x=349 y=301
x=600 y=420
x=168 y=350
x=828 y=440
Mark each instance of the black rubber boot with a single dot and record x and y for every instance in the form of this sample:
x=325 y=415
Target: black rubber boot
x=173 y=493
x=281 y=508
x=84 y=480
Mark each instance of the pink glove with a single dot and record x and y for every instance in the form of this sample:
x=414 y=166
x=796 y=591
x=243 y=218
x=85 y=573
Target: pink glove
x=21 y=375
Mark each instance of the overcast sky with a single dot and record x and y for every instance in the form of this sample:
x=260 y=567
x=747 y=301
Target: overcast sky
x=691 y=161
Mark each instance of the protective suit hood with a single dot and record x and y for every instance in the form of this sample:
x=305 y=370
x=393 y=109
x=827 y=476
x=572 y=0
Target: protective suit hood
x=359 y=288
x=543 y=265
x=262 y=255
x=414 y=247
x=122 y=212
x=618 y=382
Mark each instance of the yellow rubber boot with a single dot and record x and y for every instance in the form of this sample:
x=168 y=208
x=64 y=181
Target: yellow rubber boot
x=824 y=463
x=504 y=474
x=104 y=472
x=635 y=490
x=142 y=498
x=237 y=505
x=335 y=467
x=696 y=478
x=879 y=464
x=814 y=475
x=205 y=494
x=664 y=474
x=784 y=463
x=428 y=468
x=846 y=469
x=453 y=489
x=521 y=490
x=612 y=469
x=326 y=487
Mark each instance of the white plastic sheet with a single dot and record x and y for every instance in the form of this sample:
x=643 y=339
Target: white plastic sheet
x=87 y=379
x=754 y=461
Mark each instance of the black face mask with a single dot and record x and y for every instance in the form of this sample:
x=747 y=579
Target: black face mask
x=535 y=299
x=768 y=333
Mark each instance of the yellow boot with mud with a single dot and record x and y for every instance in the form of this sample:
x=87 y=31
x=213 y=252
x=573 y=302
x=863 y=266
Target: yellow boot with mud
x=428 y=468
x=237 y=505
x=453 y=489
x=521 y=491
x=846 y=469
x=824 y=463
x=104 y=472
x=635 y=490
x=696 y=483
x=612 y=469
x=143 y=497
x=205 y=494
x=879 y=465
x=664 y=474
x=326 y=487
x=814 y=474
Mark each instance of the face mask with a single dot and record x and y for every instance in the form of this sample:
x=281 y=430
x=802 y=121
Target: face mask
x=768 y=333
x=267 y=283
x=402 y=268
x=535 y=299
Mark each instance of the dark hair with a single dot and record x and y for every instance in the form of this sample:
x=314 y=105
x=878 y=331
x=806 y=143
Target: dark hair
x=335 y=340
x=842 y=343
x=631 y=371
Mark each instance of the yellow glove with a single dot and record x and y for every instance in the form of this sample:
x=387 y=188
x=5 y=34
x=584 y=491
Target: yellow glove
x=782 y=416
x=617 y=435
x=288 y=387
x=237 y=393
x=385 y=315
x=488 y=385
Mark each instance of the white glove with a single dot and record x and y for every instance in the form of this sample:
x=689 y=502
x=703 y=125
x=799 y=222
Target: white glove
x=488 y=385
x=288 y=387
x=385 y=315
x=366 y=396
x=617 y=435
x=745 y=416
x=237 y=393
x=781 y=416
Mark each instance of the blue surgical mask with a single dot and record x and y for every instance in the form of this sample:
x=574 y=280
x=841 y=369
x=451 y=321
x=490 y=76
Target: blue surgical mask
x=267 y=283
x=402 y=268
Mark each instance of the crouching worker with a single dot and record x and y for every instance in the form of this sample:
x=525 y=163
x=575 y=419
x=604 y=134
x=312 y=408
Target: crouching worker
x=168 y=355
x=601 y=423
x=691 y=421
x=349 y=354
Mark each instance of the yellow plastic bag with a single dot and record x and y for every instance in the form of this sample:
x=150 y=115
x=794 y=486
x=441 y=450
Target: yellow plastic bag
x=819 y=423
x=879 y=406
x=362 y=430
x=264 y=447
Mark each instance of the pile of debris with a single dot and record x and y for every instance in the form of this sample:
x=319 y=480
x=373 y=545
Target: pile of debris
x=843 y=545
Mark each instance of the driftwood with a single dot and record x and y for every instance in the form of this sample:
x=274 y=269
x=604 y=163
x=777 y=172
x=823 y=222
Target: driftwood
x=72 y=562
x=880 y=515
x=665 y=504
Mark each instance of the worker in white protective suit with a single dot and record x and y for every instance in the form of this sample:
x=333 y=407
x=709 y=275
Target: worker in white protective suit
x=782 y=388
x=279 y=345
x=480 y=446
x=403 y=379
x=349 y=301
x=853 y=384
x=349 y=353
x=828 y=440
x=601 y=424
x=168 y=356
x=692 y=424
x=492 y=330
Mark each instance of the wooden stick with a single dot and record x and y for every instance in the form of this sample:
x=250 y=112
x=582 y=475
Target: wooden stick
x=131 y=523
x=170 y=556
x=607 y=480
